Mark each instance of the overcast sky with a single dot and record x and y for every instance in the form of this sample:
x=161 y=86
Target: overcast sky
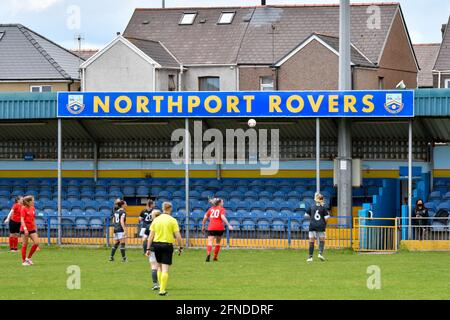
x=99 y=20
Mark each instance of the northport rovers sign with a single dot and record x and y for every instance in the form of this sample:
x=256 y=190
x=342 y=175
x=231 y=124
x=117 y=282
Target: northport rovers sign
x=276 y=104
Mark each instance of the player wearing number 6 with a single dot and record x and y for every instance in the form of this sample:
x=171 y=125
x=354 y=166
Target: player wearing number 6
x=217 y=219
x=319 y=216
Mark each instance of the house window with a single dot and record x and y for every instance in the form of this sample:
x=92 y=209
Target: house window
x=266 y=83
x=172 y=85
x=226 y=18
x=381 y=83
x=188 y=18
x=209 y=84
x=447 y=83
x=40 y=88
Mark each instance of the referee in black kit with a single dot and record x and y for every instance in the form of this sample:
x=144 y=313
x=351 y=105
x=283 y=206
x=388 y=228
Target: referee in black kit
x=163 y=231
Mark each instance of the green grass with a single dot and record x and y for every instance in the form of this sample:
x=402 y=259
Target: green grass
x=239 y=275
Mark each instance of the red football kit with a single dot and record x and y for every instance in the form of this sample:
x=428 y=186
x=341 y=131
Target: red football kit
x=29 y=214
x=215 y=218
x=17 y=208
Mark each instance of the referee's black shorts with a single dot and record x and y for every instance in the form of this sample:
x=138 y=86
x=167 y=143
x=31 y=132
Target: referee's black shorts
x=163 y=252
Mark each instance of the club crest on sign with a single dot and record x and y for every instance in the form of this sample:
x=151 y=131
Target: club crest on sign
x=76 y=104
x=394 y=103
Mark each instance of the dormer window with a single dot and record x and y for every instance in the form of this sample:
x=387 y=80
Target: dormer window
x=188 y=18
x=226 y=18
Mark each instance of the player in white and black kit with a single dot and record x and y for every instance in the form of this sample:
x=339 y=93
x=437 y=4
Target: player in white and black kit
x=145 y=218
x=118 y=221
x=319 y=216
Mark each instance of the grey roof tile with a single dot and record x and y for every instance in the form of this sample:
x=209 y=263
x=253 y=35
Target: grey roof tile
x=156 y=51
x=443 y=59
x=26 y=55
x=426 y=56
x=249 y=39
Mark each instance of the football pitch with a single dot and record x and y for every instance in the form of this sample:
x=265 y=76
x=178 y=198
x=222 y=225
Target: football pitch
x=240 y=274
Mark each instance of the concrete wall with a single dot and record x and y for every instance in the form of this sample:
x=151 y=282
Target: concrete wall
x=397 y=62
x=25 y=86
x=119 y=69
x=227 y=74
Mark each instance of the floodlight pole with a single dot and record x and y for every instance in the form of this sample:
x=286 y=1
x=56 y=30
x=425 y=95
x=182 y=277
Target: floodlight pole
x=410 y=161
x=187 y=155
x=318 y=155
x=59 y=181
x=344 y=167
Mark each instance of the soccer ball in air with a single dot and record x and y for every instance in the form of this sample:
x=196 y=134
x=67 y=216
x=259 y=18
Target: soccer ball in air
x=252 y=123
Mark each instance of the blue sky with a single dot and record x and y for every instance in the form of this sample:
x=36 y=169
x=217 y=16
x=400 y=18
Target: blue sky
x=99 y=20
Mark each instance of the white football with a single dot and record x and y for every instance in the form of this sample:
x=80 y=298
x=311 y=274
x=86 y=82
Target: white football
x=252 y=123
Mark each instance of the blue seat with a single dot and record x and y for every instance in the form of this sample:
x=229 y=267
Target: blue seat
x=179 y=195
x=248 y=225
x=435 y=195
x=237 y=195
x=87 y=183
x=430 y=206
x=263 y=225
x=296 y=225
x=207 y=195
x=77 y=213
x=243 y=205
x=222 y=195
x=142 y=191
x=273 y=205
x=92 y=205
x=129 y=191
x=96 y=223
x=213 y=185
x=278 y=225
x=443 y=205
x=258 y=205
x=251 y=195
x=81 y=223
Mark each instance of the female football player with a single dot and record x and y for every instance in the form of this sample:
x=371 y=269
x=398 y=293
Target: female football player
x=120 y=236
x=28 y=229
x=216 y=228
x=13 y=220
x=319 y=216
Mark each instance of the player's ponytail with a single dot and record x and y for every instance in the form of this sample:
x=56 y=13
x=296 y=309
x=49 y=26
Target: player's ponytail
x=167 y=207
x=27 y=201
x=215 y=201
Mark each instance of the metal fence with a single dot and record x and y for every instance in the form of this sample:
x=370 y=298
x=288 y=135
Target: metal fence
x=291 y=235
x=430 y=229
x=377 y=235
x=366 y=234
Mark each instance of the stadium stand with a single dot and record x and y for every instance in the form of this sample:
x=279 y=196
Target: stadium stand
x=252 y=204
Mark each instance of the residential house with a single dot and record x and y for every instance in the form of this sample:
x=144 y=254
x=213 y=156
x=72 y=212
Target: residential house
x=273 y=47
x=441 y=70
x=31 y=62
x=426 y=56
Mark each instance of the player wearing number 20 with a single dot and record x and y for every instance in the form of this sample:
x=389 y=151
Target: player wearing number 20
x=217 y=219
x=319 y=216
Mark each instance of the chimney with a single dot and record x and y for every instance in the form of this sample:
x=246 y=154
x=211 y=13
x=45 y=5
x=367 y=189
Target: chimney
x=263 y=2
x=444 y=26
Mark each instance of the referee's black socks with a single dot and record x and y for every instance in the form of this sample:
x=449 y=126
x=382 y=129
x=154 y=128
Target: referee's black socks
x=311 y=249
